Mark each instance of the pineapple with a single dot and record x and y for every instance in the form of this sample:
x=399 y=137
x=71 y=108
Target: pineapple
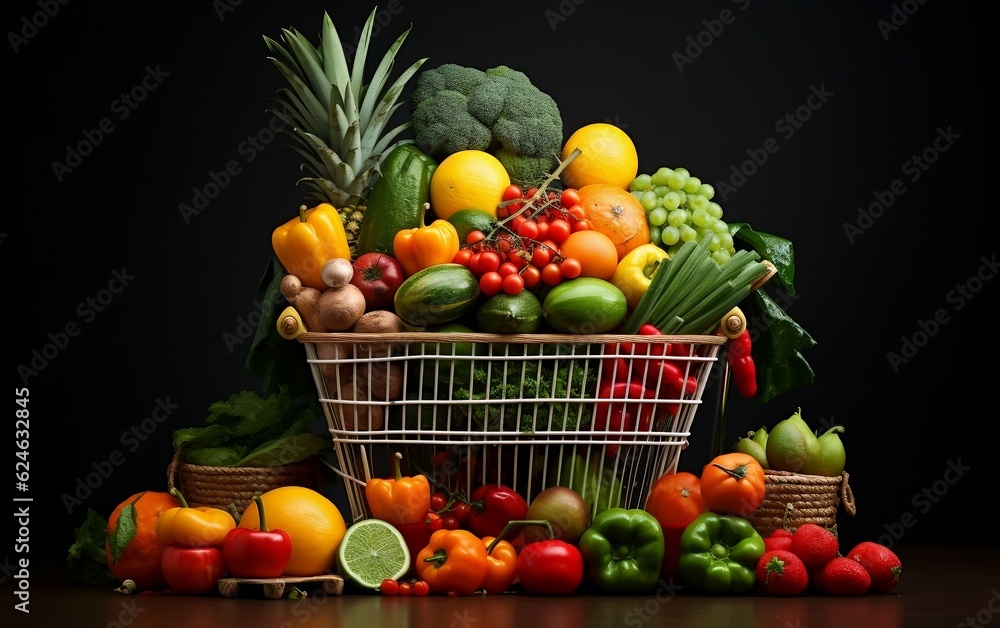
x=338 y=119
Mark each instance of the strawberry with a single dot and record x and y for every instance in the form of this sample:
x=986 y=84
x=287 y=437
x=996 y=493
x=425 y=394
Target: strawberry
x=881 y=563
x=815 y=545
x=842 y=576
x=780 y=572
x=779 y=539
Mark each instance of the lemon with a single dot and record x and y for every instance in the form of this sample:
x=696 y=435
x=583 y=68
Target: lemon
x=373 y=550
x=313 y=522
x=607 y=155
x=468 y=179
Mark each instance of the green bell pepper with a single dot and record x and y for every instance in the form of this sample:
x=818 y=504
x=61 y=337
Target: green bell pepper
x=599 y=486
x=719 y=554
x=623 y=551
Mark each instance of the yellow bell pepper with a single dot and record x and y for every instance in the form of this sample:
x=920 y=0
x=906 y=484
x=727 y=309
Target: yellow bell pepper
x=193 y=527
x=635 y=271
x=423 y=247
x=311 y=239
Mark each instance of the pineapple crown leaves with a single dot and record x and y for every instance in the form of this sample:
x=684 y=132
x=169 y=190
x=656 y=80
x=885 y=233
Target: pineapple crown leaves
x=338 y=121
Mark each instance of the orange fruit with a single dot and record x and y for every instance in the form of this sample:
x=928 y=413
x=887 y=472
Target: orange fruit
x=617 y=214
x=468 y=179
x=595 y=251
x=313 y=522
x=607 y=155
x=141 y=560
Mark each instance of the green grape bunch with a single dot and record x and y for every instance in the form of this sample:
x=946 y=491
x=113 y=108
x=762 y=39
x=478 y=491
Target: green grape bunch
x=679 y=208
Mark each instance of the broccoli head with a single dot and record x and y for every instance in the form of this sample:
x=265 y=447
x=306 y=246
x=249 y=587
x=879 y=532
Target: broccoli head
x=500 y=111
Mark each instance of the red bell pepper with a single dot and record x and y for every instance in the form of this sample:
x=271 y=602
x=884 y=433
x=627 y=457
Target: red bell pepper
x=493 y=506
x=261 y=553
x=550 y=566
x=741 y=362
x=192 y=570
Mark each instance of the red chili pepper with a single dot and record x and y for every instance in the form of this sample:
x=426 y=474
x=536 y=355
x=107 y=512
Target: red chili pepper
x=260 y=553
x=493 y=506
x=738 y=354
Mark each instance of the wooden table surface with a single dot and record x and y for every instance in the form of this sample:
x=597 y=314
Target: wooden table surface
x=941 y=586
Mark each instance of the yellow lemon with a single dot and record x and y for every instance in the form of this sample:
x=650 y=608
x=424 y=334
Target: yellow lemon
x=607 y=155
x=468 y=179
x=313 y=522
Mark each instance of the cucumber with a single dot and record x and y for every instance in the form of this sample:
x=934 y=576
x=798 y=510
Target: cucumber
x=504 y=313
x=435 y=295
x=397 y=200
x=468 y=220
x=585 y=305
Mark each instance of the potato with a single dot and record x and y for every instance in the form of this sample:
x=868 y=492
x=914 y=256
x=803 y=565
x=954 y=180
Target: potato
x=386 y=379
x=335 y=351
x=305 y=300
x=340 y=308
x=359 y=417
x=379 y=322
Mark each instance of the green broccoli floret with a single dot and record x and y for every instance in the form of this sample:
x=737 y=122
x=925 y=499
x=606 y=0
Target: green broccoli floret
x=500 y=111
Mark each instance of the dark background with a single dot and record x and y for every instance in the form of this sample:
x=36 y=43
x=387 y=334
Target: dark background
x=891 y=90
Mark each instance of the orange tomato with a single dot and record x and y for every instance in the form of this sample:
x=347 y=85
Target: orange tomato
x=733 y=483
x=675 y=499
x=595 y=251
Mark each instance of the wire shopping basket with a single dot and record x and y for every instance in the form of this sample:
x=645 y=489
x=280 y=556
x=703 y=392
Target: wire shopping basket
x=530 y=411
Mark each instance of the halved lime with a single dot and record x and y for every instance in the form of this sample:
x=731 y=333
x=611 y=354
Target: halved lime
x=371 y=551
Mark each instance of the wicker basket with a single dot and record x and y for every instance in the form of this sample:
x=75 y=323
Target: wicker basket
x=792 y=499
x=233 y=488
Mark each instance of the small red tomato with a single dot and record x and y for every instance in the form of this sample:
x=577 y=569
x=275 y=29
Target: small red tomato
x=491 y=283
x=577 y=212
x=541 y=255
x=569 y=197
x=571 y=267
x=559 y=230
x=507 y=268
x=438 y=501
x=389 y=587
x=489 y=261
x=532 y=276
x=543 y=229
x=581 y=225
x=512 y=192
x=449 y=522
x=551 y=274
x=461 y=511
x=463 y=257
x=421 y=588
x=475 y=236
x=405 y=588
x=528 y=229
x=513 y=283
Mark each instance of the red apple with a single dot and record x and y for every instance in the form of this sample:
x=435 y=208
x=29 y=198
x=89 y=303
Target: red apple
x=378 y=276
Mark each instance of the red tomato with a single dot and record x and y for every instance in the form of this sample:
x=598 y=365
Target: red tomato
x=551 y=274
x=192 y=570
x=543 y=229
x=550 y=567
x=577 y=212
x=507 y=268
x=532 y=276
x=513 y=283
x=463 y=257
x=378 y=276
x=569 y=197
x=475 y=236
x=528 y=229
x=559 y=230
x=421 y=588
x=512 y=192
x=570 y=267
x=489 y=261
x=541 y=256
x=491 y=283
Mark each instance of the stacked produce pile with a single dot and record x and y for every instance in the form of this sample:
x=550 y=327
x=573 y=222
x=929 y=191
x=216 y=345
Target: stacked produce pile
x=489 y=221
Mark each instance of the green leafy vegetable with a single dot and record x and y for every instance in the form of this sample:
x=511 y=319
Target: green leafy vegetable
x=125 y=529
x=779 y=340
x=87 y=559
x=564 y=381
x=247 y=430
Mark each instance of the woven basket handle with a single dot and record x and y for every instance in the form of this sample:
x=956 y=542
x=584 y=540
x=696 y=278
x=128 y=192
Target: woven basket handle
x=172 y=468
x=847 y=496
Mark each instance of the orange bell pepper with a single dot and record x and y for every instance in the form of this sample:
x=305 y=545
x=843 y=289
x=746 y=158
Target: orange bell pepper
x=423 y=247
x=501 y=565
x=193 y=527
x=455 y=561
x=400 y=500
x=308 y=241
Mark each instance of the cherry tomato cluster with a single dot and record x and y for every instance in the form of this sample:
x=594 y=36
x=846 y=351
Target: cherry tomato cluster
x=414 y=587
x=449 y=512
x=523 y=251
